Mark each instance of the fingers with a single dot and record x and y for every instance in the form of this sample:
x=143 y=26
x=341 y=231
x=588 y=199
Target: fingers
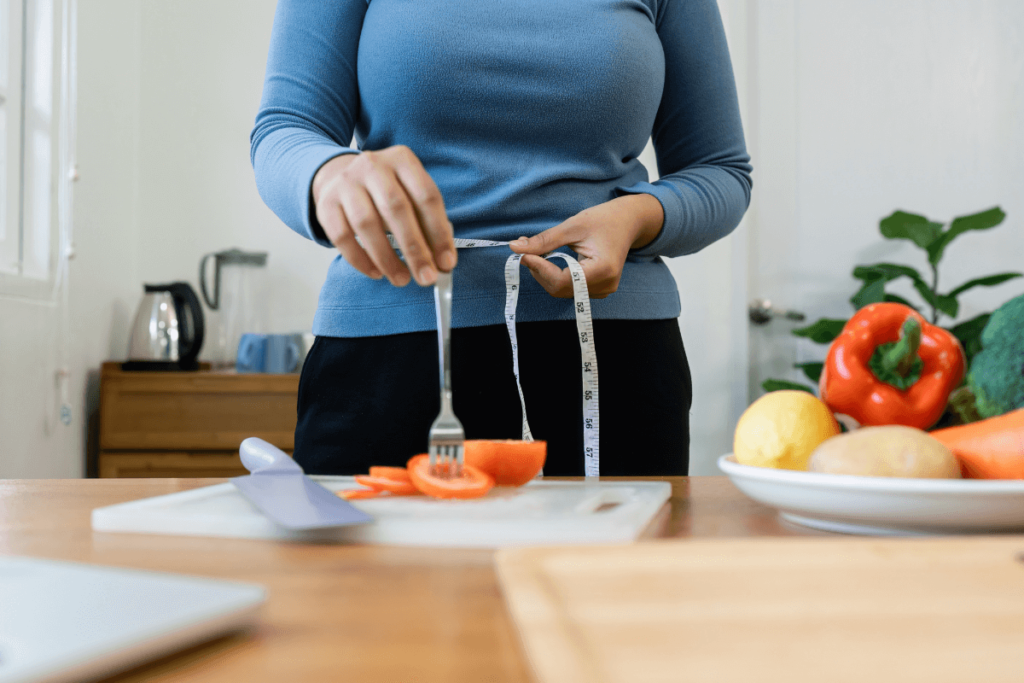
x=428 y=206
x=602 y=279
x=362 y=215
x=399 y=218
x=368 y=195
x=555 y=281
x=563 y=234
x=337 y=229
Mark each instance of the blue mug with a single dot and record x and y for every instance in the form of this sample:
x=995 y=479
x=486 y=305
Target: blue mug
x=283 y=353
x=271 y=353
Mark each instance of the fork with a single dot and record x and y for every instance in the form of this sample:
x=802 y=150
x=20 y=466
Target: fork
x=446 y=434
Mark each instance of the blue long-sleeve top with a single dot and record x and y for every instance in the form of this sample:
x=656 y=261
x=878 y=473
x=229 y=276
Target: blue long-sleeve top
x=524 y=112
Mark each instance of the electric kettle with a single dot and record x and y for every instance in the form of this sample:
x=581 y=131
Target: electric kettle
x=168 y=329
x=238 y=300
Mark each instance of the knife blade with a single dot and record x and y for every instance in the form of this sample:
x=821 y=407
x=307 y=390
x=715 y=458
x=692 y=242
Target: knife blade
x=279 y=488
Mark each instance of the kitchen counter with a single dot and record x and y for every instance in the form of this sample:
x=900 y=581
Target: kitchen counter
x=336 y=612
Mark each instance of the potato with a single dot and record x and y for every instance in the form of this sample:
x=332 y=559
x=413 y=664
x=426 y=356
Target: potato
x=888 y=451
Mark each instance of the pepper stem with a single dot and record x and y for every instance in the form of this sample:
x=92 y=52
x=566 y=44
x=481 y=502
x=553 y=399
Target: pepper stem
x=897 y=363
x=900 y=357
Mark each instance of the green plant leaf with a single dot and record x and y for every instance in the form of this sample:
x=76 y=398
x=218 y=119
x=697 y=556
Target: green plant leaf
x=909 y=226
x=896 y=299
x=811 y=370
x=969 y=334
x=947 y=304
x=821 y=332
x=872 y=292
x=943 y=302
x=888 y=271
x=782 y=385
x=977 y=221
x=990 y=281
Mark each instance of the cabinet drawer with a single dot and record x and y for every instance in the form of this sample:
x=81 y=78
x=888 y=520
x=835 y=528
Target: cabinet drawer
x=200 y=411
x=170 y=464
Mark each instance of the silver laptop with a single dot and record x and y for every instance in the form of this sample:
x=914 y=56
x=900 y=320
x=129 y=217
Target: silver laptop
x=62 y=621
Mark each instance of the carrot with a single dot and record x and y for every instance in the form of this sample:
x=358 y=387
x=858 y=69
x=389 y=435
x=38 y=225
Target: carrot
x=511 y=463
x=392 y=486
x=395 y=473
x=989 y=449
x=358 y=494
x=471 y=484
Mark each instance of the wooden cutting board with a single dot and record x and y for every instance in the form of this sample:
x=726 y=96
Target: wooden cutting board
x=765 y=610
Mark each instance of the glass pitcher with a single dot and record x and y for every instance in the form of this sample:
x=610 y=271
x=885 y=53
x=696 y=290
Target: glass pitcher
x=239 y=298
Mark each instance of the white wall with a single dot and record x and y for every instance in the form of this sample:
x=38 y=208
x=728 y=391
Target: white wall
x=918 y=105
x=167 y=94
x=202 y=76
x=33 y=443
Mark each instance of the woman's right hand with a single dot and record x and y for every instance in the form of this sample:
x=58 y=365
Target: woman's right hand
x=370 y=194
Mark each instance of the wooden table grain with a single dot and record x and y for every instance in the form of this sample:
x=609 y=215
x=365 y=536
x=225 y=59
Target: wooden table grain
x=336 y=612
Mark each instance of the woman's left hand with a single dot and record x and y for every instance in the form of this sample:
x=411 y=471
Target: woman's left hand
x=601 y=236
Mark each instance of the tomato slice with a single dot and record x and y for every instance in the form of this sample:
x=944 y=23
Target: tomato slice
x=511 y=462
x=358 y=494
x=398 y=488
x=473 y=483
x=395 y=473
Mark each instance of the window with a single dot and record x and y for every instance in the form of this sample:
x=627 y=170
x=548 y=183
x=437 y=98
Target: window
x=36 y=106
x=10 y=133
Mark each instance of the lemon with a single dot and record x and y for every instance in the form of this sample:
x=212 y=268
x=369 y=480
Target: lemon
x=781 y=430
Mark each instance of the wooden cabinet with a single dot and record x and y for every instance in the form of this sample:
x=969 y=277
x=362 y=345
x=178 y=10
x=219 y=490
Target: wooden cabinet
x=189 y=424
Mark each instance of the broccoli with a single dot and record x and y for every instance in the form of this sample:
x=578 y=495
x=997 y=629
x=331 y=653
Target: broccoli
x=997 y=372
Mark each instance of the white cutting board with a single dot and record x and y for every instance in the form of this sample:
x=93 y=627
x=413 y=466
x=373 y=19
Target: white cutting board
x=539 y=513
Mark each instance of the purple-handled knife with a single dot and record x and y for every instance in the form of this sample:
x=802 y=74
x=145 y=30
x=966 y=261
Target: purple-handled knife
x=282 y=491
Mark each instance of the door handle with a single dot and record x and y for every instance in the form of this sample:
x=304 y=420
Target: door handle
x=761 y=312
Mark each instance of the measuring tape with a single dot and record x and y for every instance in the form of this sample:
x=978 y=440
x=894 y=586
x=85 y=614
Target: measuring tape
x=585 y=332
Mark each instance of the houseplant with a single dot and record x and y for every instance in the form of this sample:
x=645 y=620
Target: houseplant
x=934 y=305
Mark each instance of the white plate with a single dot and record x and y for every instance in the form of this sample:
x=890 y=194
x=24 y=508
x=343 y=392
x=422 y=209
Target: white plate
x=883 y=505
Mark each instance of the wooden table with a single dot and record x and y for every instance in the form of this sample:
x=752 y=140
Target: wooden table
x=336 y=612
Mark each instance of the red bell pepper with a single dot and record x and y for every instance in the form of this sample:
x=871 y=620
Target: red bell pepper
x=890 y=366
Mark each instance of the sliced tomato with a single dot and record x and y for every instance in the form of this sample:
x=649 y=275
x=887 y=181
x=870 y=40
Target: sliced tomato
x=395 y=473
x=398 y=488
x=472 y=483
x=510 y=463
x=358 y=494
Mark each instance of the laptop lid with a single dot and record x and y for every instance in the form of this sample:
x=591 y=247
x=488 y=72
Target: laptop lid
x=63 y=621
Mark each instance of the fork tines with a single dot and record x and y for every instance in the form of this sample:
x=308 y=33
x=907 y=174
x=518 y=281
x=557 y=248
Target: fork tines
x=446 y=460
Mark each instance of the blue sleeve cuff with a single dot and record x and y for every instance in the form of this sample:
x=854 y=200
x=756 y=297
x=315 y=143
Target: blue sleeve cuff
x=294 y=156
x=702 y=204
x=671 y=205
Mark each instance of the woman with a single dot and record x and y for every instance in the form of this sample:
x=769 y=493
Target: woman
x=518 y=121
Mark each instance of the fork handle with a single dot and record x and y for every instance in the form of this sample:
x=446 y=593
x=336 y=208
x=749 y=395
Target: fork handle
x=443 y=304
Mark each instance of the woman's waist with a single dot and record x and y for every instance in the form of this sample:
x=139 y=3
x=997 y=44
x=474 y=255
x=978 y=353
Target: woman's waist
x=352 y=304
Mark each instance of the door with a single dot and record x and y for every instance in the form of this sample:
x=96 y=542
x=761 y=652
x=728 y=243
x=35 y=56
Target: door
x=852 y=110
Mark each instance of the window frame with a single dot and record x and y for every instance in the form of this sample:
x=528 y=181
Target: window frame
x=38 y=158
x=11 y=34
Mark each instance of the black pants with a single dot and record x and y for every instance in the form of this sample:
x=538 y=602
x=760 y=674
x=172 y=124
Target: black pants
x=371 y=400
